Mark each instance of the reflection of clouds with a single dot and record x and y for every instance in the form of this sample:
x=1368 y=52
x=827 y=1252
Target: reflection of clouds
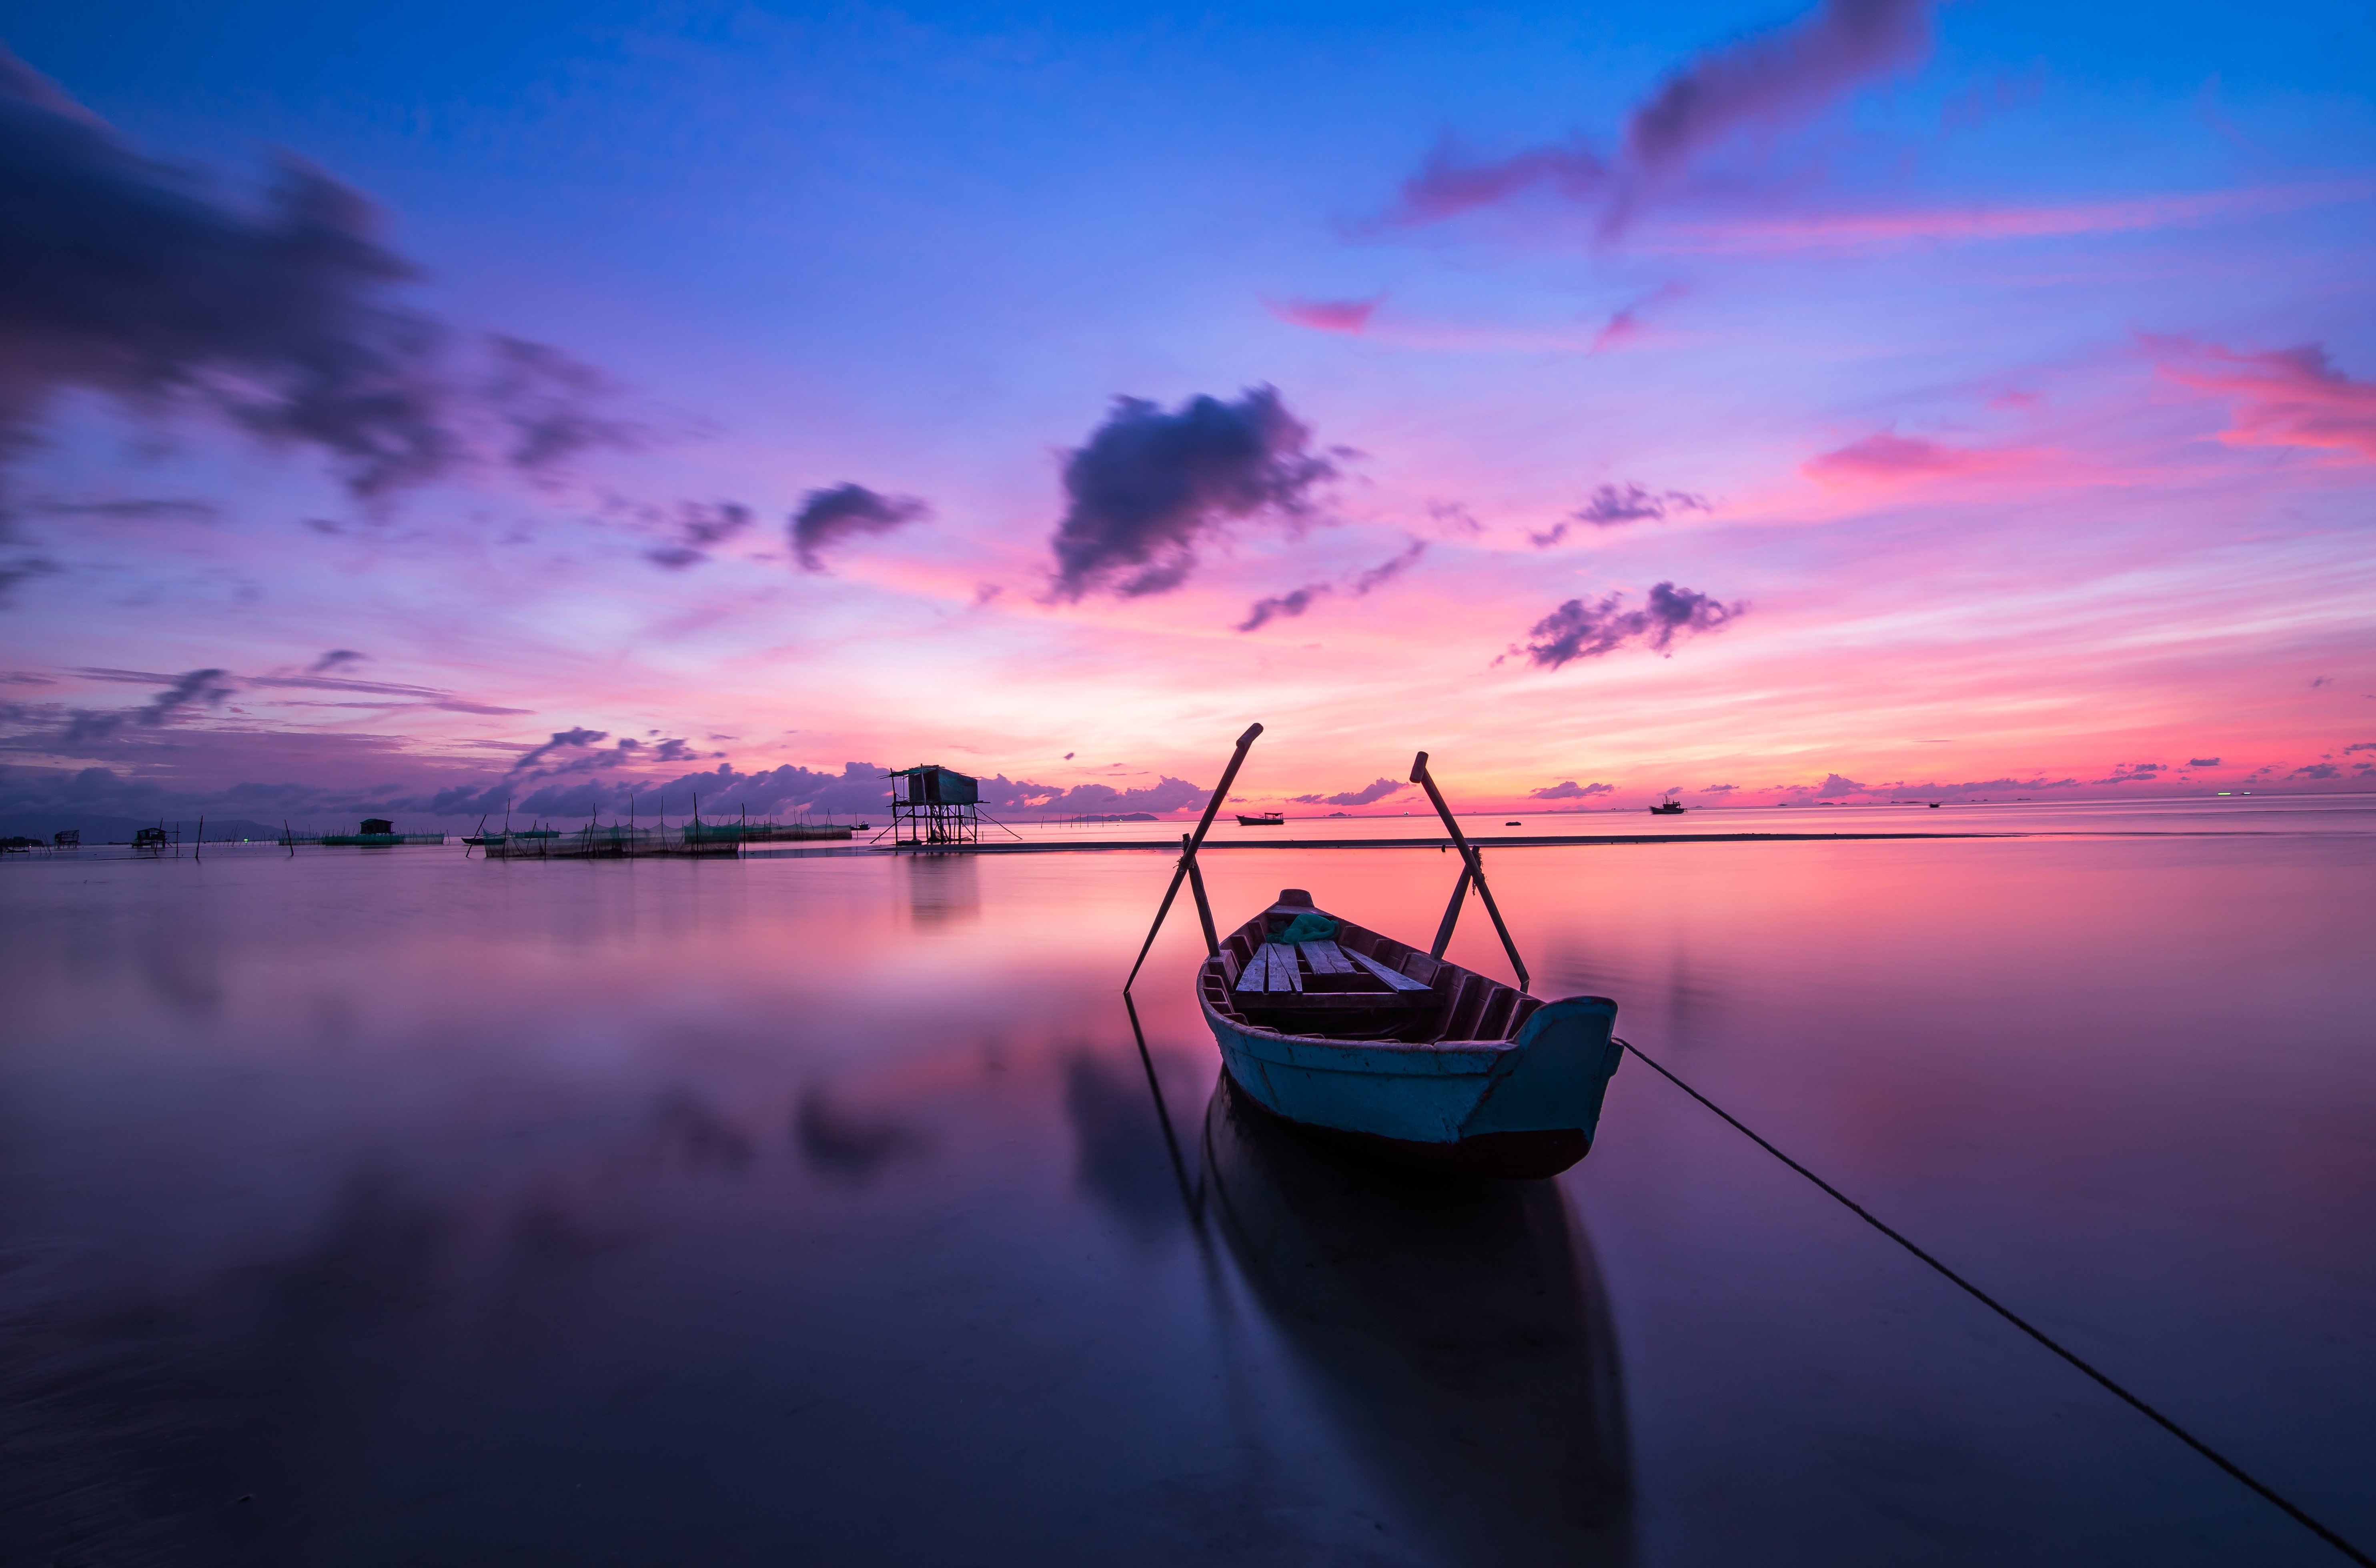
x=1122 y=1159
x=1457 y=1329
x=847 y=1143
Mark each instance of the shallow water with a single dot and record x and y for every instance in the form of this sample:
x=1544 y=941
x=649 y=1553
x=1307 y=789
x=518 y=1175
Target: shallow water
x=390 y=1207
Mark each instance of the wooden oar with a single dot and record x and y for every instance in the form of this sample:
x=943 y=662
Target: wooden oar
x=1187 y=868
x=1473 y=870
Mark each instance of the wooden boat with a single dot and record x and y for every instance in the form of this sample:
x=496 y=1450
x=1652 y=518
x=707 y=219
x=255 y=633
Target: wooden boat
x=1667 y=808
x=1374 y=1042
x=1339 y=1028
x=1262 y=819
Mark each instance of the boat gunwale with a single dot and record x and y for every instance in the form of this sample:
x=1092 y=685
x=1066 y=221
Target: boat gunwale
x=1487 y=1051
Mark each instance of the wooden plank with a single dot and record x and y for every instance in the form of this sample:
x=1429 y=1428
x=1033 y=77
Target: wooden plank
x=1326 y=958
x=1284 y=975
x=1397 y=980
x=1257 y=971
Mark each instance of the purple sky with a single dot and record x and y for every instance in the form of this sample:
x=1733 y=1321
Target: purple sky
x=424 y=407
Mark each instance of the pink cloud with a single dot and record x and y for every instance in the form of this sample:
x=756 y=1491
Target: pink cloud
x=1623 y=327
x=1326 y=315
x=1885 y=458
x=2282 y=398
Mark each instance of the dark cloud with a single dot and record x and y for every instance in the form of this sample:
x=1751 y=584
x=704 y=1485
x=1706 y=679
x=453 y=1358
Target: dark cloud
x=1836 y=785
x=1777 y=76
x=2127 y=773
x=1149 y=486
x=2316 y=770
x=137 y=509
x=1387 y=571
x=2354 y=746
x=1611 y=507
x=335 y=658
x=1280 y=606
x=125 y=276
x=1377 y=790
x=550 y=402
x=698 y=527
x=1361 y=586
x=191 y=689
x=1718 y=788
x=828 y=516
x=1578 y=630
x=1449 y=183
x=1451 y=519
x=1569 y=789
x=563 y=739
x=23 y=568
x=2203 y=762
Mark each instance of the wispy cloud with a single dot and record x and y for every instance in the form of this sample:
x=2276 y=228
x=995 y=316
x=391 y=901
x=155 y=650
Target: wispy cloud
x=2281 y=397
x=1326 y=315
x=1887 y=459
x=1781 y=75
x=1361 y=586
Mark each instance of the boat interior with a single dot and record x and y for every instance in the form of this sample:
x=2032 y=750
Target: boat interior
x=1300 y=971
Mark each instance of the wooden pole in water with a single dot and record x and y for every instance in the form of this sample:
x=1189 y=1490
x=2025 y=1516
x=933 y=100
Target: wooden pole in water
x=1204 y=905
x=1451 y=913
x=1475 y=863
x=1188 y=859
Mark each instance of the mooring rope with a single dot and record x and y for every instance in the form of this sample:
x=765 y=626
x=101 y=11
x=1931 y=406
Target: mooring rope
x=2292 y=1510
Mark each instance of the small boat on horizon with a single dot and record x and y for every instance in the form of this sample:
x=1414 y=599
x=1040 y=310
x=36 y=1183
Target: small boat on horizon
x=1262 y=819
x=1667 y=807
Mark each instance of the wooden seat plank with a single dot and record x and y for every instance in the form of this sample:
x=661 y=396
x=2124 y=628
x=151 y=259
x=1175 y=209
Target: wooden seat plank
x=1284 y=975
x=1256 y=976
x=1393 y=978
x=1326 y=958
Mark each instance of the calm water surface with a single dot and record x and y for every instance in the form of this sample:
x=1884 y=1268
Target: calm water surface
x=386 y=1207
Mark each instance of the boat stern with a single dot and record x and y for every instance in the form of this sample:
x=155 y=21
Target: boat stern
x=1557 y=1075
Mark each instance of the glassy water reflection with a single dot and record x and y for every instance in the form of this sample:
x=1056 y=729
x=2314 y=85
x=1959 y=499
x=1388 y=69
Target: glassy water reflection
x=383 y=1206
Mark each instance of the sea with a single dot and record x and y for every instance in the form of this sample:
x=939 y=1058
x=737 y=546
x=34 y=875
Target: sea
x=834 y=1205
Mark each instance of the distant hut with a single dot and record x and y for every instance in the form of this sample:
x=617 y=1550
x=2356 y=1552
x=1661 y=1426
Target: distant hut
x=375 y=826
x=932 y=804
x=66 y=838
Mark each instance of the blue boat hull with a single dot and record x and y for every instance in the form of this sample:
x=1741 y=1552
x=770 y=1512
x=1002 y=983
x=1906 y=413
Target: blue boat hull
x=1524 y=1106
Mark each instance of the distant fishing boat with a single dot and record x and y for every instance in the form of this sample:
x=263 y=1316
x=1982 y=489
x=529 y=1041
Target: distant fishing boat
x=1667 y=807
x=1262 y=819
x=1336 y=1027
x=1372 y=1041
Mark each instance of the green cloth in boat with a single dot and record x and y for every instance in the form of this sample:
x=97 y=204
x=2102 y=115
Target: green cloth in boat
x=1308 y=928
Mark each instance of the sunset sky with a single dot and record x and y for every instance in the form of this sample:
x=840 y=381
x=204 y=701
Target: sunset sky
x=432 y=406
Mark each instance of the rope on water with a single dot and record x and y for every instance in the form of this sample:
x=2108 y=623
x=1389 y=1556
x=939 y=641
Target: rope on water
x=2293 y=1511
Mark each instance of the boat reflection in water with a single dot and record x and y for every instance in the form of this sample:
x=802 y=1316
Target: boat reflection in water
x=1456 y=1327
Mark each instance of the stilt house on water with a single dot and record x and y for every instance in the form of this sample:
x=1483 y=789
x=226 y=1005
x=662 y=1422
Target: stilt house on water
x=932 y=804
